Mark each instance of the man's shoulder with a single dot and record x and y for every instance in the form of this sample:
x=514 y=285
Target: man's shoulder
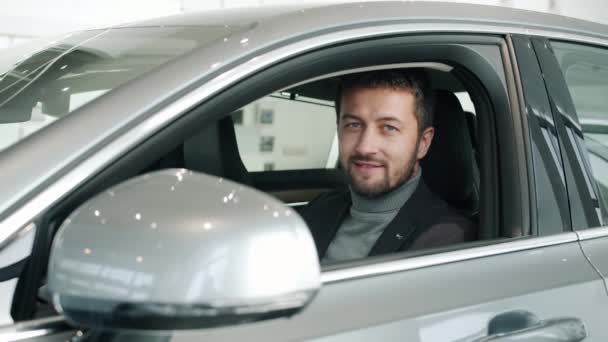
x=442 y=224
x=431 y=206
x=324 y=214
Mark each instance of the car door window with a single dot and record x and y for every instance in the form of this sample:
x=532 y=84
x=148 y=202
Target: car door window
x=585 y=69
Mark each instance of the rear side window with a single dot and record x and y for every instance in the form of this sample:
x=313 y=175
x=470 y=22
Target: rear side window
x=285 y=131
x=585 y=69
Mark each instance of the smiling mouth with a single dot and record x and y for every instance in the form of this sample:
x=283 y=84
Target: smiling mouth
x=366 y=165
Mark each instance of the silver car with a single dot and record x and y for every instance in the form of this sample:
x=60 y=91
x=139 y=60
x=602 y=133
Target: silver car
x=152 y=175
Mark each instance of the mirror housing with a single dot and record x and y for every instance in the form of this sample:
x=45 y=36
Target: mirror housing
x=176 y=249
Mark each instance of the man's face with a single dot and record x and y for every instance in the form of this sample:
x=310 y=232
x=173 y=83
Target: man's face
x=380 y=141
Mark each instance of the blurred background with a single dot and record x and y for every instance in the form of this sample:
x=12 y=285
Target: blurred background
x=24 y=20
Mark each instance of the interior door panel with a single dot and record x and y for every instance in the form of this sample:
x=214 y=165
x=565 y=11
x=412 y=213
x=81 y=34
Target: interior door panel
x=297 y=186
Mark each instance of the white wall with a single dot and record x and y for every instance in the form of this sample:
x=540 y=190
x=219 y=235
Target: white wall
x=303 y=134
x=21 y=20
x=25 y=19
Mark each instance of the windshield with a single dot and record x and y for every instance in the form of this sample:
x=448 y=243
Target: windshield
x=47 y=80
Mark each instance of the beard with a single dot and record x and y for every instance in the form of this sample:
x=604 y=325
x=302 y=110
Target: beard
x=387 y=182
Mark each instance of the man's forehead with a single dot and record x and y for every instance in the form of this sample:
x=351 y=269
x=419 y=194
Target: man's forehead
x=363 y=88
x=377 y=97
x=378 y=104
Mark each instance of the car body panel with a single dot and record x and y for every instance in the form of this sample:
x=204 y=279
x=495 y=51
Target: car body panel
x=442 y=302
x=411 y=302
x=593 y=243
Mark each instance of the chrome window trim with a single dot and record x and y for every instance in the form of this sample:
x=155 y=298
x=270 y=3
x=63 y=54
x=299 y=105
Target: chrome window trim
x=592 y=233
x=407 y=264
x=22 y=216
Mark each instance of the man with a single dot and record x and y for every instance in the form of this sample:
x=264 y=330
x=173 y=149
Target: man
x=384 y=129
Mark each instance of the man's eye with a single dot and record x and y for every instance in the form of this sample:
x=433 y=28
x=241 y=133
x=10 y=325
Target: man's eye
x=389 y=128
x=352 y=125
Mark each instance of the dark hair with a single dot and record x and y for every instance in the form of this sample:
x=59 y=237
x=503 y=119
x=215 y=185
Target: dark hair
x=415 y=79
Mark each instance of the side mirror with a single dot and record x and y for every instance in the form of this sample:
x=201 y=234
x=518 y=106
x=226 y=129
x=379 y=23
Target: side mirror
x=176 y=249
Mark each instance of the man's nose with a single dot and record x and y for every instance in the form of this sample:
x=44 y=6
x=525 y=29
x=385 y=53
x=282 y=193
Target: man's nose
x=367 y=143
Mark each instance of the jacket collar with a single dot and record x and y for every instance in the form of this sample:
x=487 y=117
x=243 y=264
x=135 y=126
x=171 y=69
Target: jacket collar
x=399 y=232
x=329 y=219
x=405 y=226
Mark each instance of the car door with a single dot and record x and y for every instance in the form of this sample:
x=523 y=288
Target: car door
x=579 y=71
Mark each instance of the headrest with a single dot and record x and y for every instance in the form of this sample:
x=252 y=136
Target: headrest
x=448 y=166
x=214 y=151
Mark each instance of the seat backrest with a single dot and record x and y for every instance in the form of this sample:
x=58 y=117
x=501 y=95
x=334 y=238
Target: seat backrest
x=214 y=151
x=448 y=167
x=472 y=125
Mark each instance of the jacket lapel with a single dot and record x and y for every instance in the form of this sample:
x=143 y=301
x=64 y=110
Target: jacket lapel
x=326 y=220
x=405 y=226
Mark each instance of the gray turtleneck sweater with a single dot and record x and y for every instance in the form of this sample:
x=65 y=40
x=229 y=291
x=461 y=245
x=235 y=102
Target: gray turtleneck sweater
x=367 y=219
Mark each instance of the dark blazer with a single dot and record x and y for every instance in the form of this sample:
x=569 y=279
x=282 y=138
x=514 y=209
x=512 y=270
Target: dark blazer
x=424 y=221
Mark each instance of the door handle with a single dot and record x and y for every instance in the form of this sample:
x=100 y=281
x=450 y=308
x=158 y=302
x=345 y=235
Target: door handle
x=521 y=325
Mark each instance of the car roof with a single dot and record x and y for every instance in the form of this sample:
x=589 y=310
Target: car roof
x=296 y=17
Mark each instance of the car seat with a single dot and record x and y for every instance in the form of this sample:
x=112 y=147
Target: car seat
x=214 y=150
x=449 y=168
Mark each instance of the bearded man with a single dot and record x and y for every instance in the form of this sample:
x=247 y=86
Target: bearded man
x=384 y=129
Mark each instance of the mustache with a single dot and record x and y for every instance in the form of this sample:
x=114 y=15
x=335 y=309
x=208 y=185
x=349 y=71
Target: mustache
x=366 y=159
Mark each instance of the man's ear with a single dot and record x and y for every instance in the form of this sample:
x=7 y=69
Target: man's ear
x=426 y=138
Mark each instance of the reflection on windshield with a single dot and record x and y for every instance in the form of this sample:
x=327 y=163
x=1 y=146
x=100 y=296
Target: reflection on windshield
x=41 y=87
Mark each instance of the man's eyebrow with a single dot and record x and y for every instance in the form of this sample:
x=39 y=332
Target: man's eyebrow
x=349 y=116
x=382 y=118
x=388 y=118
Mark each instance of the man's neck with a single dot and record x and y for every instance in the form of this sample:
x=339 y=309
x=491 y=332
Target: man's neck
x=389 y=201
